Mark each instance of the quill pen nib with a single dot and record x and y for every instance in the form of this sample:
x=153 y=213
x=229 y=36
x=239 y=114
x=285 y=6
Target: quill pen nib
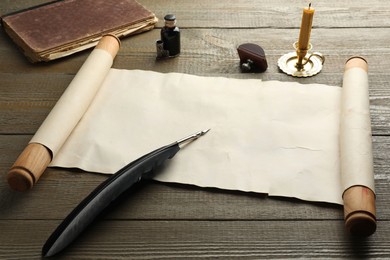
x=192 y=137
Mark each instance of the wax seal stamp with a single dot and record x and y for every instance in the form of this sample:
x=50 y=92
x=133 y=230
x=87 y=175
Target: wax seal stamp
x=252 y=58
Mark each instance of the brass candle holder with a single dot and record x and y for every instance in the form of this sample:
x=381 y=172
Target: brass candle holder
x=302 y=62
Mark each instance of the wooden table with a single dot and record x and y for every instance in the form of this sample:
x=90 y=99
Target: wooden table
x=175 y=221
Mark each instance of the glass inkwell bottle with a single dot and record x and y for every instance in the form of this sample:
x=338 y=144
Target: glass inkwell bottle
x=169 y=45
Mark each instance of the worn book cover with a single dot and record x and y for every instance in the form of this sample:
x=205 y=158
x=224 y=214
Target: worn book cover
x=61 y=28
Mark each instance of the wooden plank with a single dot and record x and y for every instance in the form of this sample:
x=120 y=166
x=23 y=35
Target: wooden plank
x=197 y=239
x=168 y=201
x=277 y=13
x=213 y=51
x=25 y=105
x=255 y=14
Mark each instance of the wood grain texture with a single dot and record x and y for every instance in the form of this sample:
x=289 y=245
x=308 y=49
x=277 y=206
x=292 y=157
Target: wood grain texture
x=198 y=239
x=160 y=220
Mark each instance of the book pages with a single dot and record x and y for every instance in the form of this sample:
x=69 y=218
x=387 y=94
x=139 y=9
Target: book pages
x=60 y=28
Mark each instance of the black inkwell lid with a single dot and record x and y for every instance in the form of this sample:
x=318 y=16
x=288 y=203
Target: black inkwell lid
x=170 y=17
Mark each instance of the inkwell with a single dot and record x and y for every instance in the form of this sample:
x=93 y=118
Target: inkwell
x=169 y=44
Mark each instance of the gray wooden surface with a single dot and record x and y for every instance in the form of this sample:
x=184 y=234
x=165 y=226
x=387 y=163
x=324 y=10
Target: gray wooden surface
x=176 y=221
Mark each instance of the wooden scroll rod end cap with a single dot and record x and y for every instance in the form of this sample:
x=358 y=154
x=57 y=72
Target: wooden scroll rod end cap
x=29 y=167
x=20 y=179
x=109 y=43
x=360 y=224
x=359 y=211
x=356 y=62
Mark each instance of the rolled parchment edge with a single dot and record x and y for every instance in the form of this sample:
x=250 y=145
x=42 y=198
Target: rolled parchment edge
x=359 y=200
x=35 y=158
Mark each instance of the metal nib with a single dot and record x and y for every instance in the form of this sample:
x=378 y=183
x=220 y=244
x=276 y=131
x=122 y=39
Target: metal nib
x=192 y=137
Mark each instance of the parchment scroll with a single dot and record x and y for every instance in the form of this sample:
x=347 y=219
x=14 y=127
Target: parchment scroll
x=280 y=138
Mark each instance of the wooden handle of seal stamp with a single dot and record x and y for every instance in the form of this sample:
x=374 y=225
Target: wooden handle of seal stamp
x=35 y=158
x=359 y=201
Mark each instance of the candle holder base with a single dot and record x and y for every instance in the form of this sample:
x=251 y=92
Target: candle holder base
x=311 y=64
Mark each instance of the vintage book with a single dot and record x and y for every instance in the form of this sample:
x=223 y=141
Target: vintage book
x=61 y=28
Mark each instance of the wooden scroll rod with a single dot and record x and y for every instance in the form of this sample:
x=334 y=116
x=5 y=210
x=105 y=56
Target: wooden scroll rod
x=35 y=158
x=359 y=201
